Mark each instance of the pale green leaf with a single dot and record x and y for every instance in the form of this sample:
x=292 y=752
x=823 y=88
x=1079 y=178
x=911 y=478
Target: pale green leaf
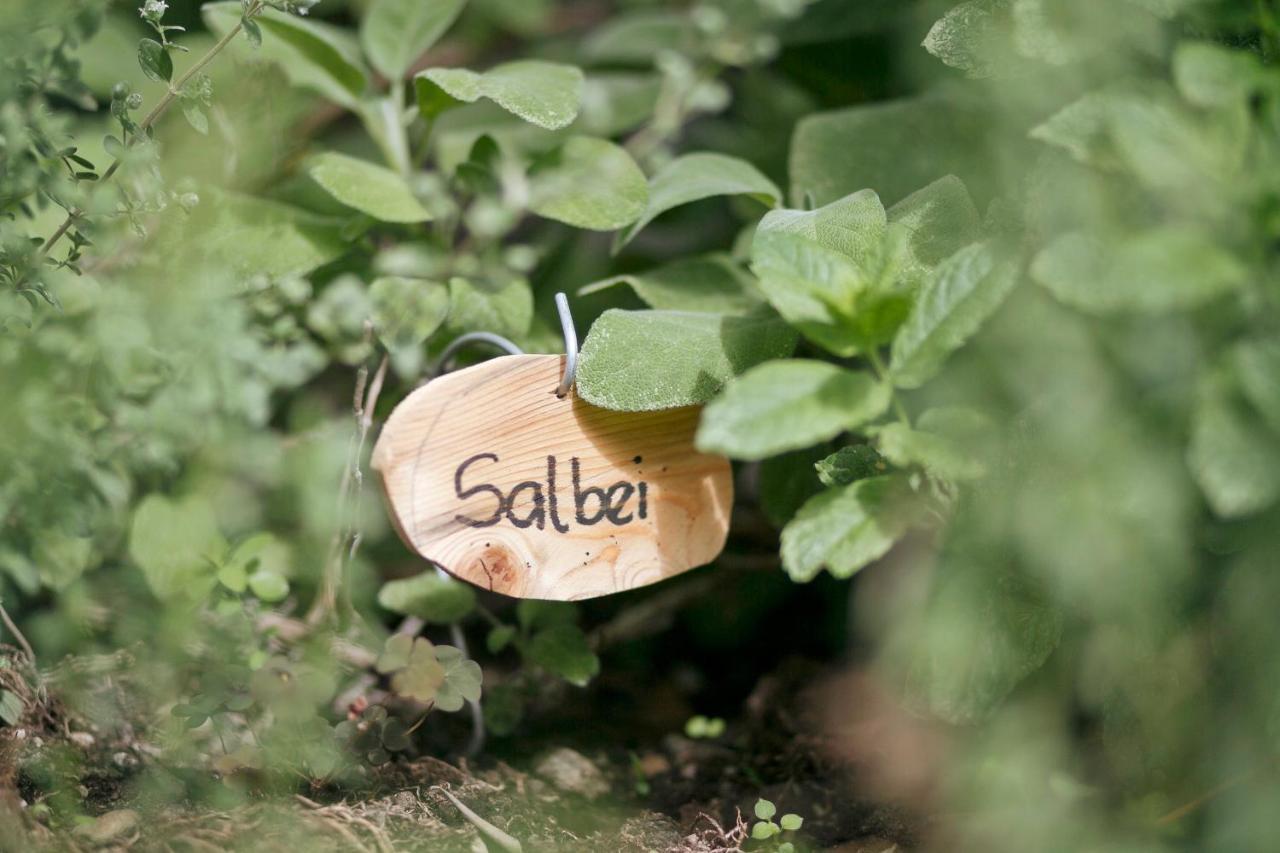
x=505 y=309
x=972 y=37
x=982 y=630
x=429 y=597
x=637 y=36
x=462 y=679
x=941 y=220
x=1166 y=269
x=896 y=147
x=407 y=311
x=1211 y=75
x=853 y=225
x=314 y=55
x=367 y=187
x=648 y=360
x=693 y=177
x=394 y=33
x=955 y=300
x=788 y=405
x=813 y=287
x=712 y=283
x=11 y=707
x=176 y=543
x=847 y=528
x=268 y=586
x=1257 y=367
x=937 y=454
x=548 y=94
x=791 y=822
x=253 y=236
x=588 y=183
x=765 y=810
x=1233 y=457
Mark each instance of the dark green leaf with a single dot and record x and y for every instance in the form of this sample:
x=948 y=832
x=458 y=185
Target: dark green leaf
x=155 y=60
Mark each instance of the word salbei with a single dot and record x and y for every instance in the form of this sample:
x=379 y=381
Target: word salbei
x=591 y=505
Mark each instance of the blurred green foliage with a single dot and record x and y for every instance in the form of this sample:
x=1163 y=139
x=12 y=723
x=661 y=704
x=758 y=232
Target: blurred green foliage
x=1024 y=254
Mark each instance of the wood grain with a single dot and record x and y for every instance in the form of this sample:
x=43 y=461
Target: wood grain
x=475 y=447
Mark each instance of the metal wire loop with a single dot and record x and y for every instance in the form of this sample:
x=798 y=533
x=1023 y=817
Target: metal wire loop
x=510 y=348
x=570 y=345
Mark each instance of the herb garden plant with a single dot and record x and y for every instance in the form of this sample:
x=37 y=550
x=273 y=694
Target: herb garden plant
x=982 y=299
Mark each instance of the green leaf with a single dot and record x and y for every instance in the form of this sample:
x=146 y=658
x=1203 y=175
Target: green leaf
x=394 y=33
x=563 y=650
x=1080 y=129
x=852 y=226
x=829 y=298
x=395 y=653
x=548 y=94
x=765 y=810
x=367 y=187
x=314 y=55
x=1172 y=268
x=155 y=60
x=462 y=679
x=11 y=707
x=268 y=586
x=906 y=447
x=407 y=311
x=504 y=310
x=971 y=37
x=693 y=177
x=980 y=631
x=253 y=236
x=897 y=147
x=764 y=830
x=499 y=638
x=850 y=464
x=941 y=220
x=1233 y=457
x=1210 y=75
x=712 y=283
x=261 y=554
x=649 y=360
x=422 y=674
x=588 y=183
x=956 y=299
x=1257 y=366
x=176 y=543
x=788 y=405
x=428 y=596
x=847 y=528
x=791 y=822
x=635 y=37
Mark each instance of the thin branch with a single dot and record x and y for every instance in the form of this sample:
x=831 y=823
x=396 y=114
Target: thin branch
x=151 y=118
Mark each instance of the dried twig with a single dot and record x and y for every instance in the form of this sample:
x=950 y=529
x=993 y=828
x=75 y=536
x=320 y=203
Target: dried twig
x=346 y=540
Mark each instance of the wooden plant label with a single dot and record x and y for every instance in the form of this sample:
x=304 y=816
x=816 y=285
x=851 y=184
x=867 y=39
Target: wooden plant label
x=492 y=477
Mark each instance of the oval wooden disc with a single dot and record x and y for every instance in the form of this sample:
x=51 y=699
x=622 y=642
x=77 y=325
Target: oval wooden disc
x=494 y=478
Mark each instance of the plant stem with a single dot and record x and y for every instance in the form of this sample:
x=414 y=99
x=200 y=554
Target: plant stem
x=877 y=364
x=18 y=635
x=151 y=118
